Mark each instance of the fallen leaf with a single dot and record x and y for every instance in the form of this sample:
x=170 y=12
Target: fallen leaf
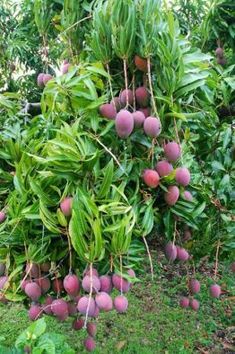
x=121 y=344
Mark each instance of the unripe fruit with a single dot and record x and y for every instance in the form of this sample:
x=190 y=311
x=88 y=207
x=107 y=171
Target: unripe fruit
x=184 y=302
x=78 y=324
x=32 y=269
x=188 y=196
x=104 y=301
x=12 y=67
x=33 y=291
x=106 y=283
x=139 y=118
x=152 y=126
x=120 y=283
x=163 y=168
x=45 y=267
x=2 y=216
x=172 y=195
x=172 y=151
x=47 y=305
x=131 y=274
x=86 y=283
x=141 y=64
x=3 y=282
x=65 y=68
x=219 y=52
x=215 y=290
x=71 y=284
x=2 y=269
x=151 y=178
x=40 y=82
x=142 y=96
x=66 y=206
x=91 y=329
x=57 y=285
x=59 y=308
x=108 y=110
x=187 y=235
x=120 y=303
x=170 y=251
x=123 y=97
x=182 y=176
x=124 y=123
x=72 y=308
x=44 y=284
x=182 y=254
x=146 y=111
x=94 y=271
x=194 y=286
x=34 y=312
x=194 y=304
x=221 y=61
x=82 y=306
x=75 y=298
x=46 y=78
x=89 y=344
x=116 y=104
x=96 y=312
x=24 y=283
x=3 y=298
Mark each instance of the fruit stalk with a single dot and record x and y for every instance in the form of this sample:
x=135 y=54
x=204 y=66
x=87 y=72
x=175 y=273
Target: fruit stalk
x=149 y=255
x=126 y=81
x=216 y=260
x=133 y=90
x=70 y=251
x=151 y=87
x=110 y=84
x=176 y=132
x=174 y=236
x=90 y=296
x=121 y=273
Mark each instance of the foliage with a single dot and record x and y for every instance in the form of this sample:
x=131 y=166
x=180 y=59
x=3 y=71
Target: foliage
x=70 y=150
x=36 y=340
x=209 y=24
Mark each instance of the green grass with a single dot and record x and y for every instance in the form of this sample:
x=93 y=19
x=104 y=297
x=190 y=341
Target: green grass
x=154 y=322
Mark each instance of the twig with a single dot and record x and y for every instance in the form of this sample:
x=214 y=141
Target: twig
x=149 y=255
x=76 y=23
x=110 y=152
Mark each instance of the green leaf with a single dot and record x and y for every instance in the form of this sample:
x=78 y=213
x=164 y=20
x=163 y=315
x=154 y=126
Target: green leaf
x=107 y=180
x=198 y=211
x=34 y=331
x=217 y=166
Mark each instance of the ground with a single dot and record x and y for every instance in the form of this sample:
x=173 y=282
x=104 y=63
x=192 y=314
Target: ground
x=154 y=322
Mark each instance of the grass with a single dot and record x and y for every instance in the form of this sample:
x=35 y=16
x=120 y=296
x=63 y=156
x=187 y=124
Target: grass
x=154 y=322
